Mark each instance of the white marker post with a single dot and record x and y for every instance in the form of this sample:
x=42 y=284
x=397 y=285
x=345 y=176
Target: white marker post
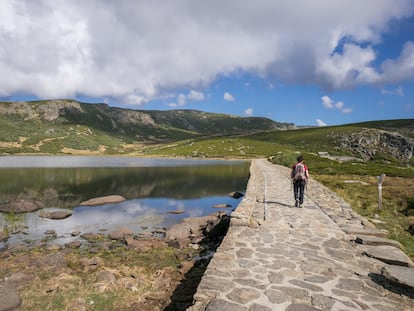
x=380 y=181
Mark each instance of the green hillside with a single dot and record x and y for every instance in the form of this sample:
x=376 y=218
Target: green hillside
x=283 y=145
x=66 y=126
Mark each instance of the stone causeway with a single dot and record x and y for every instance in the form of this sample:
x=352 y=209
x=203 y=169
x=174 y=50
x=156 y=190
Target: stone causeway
x=319 y=257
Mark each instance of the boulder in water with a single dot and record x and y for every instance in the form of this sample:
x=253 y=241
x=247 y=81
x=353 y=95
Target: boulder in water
x=103 y=200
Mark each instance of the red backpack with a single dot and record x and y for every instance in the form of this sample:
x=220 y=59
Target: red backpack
x=299 y=172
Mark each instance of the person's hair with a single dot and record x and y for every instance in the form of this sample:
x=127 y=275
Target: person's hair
x=300 y=158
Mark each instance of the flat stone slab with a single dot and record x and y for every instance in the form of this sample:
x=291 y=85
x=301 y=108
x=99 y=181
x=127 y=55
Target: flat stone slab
x=103 y=200
x=18 y=279
x=375 y=241
x=220 y=304
x=9 y=298
x=364 y=231
x=180 y=211
x=388 y=254
x=62 y=214
x=400 y=275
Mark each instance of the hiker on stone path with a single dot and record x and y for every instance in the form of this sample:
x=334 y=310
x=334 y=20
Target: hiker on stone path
x=299 y=176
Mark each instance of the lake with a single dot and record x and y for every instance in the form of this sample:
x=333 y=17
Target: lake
x=152 y=186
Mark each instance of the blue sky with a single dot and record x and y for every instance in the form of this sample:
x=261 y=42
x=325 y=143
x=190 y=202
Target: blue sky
x=305 y=62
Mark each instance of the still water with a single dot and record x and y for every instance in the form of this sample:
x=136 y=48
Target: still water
x=152 y=187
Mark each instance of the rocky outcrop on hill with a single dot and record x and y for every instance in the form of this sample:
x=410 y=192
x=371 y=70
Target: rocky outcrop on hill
x=367 y=143
x=49 y=110
x=124 y=116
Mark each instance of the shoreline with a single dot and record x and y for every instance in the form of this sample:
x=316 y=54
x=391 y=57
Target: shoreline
x=104 y=255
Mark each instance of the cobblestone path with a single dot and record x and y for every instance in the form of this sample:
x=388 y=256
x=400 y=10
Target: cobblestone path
x=279 y=257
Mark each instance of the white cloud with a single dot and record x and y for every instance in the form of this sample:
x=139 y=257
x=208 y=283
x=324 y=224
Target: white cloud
x=228 y=97
x=319 y=122
x=136 y=51
x=195 y=96
x=328 y=103
x=339 y=105
x=397 y=91
x=351 y=67
x=133 y=100
x=182 y=99
x=401 y=68
x=248 y=112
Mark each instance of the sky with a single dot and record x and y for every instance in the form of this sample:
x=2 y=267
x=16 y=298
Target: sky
x=319 y=62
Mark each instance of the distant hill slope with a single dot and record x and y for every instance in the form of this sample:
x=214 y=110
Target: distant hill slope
x=388 y=139
x=65 y=126
x=402 y=126
x=384 y=142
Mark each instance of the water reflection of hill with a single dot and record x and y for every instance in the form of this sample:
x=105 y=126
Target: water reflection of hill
x=67 y=187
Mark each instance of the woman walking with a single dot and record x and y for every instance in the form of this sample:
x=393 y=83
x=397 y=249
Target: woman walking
x=299 y=176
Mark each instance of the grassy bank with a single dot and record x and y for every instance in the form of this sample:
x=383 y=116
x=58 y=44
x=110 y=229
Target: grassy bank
x=104 y=275
x=397 y=212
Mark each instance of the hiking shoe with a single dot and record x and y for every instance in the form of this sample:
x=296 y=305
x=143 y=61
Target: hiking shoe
x=297 y=203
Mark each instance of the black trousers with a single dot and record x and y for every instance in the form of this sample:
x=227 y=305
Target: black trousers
x=299 y=190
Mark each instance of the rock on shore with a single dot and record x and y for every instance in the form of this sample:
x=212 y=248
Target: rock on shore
x=21 y=206
x=193 y=230
x=3 y=236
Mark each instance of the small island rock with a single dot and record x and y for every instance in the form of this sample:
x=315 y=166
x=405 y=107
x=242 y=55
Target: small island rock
x=235 y=194
x=221 y=205
x=56 y=214
x=103 y=200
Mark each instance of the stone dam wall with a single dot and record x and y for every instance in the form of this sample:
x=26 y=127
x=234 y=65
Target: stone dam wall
x=319 y=257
